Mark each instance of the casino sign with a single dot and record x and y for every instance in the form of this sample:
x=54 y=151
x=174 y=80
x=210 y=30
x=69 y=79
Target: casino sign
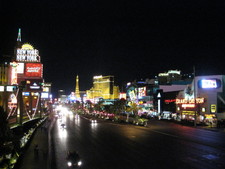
x=27 y=54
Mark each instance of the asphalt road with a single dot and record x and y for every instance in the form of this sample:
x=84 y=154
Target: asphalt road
x=160 y=145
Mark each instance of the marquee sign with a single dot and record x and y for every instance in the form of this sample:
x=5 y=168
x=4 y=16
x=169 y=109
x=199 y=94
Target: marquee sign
x=27 y=54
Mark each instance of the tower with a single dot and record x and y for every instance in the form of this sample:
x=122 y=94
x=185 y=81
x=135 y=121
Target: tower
x=18 y=44
x=77 y=92
x=19 y=36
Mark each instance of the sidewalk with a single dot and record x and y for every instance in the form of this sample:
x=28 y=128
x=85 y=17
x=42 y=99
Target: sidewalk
x=31 y=160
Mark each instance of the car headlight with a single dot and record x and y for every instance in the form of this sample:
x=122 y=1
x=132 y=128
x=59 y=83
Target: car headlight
x=79 y=163
x=69 y=164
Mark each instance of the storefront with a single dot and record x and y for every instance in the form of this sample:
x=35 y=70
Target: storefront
x=203 y=99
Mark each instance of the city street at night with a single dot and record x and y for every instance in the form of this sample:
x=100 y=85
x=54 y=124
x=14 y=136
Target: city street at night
x=159 y=145
x=112 y=84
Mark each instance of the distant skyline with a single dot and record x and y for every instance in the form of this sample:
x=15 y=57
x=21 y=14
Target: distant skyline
x=127 y=39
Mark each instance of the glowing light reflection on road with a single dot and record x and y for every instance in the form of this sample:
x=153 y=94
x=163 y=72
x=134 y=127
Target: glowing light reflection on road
x=77 y=120
x=94 y=125
x=62 y=132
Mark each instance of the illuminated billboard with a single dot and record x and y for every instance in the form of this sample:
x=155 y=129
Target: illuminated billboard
x=209 y=83
x=10 y=88
x=123 y=95
x=33 y=70
x=141 y=92
x=44 y=95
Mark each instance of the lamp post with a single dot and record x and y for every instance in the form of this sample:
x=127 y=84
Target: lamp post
x=195 y=115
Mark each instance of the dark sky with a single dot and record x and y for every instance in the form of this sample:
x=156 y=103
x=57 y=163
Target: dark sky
x=128 y=39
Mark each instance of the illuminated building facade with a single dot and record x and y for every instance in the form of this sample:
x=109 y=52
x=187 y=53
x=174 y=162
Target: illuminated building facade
x=143 y=93
x=46 y=96
x=5 y=72
x=204 y=98
x=169 y=77
x=103 y=87
x=22 y=84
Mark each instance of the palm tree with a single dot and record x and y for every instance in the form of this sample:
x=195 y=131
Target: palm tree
x=76 y=106
x=132 y=109
x=99 y=106
x=119 y=106
x=89 y=106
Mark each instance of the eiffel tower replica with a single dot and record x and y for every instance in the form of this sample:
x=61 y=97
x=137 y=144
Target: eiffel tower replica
x=77 y=91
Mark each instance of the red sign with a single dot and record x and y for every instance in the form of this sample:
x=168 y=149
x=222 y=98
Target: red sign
x=33 y=70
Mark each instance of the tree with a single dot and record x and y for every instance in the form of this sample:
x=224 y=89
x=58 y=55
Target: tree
x=89 y=106
x=99 y=106
x=76 y=106
x=133 y=109
x=119 y=106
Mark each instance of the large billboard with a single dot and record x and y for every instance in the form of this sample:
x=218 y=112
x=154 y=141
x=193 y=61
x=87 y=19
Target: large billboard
x=141 y=92
x=33 y=70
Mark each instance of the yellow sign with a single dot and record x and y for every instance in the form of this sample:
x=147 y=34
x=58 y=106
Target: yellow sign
x=213 y=108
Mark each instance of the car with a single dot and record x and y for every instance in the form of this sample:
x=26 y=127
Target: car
x=63 y=126
x=73 y=160
x=93 y=120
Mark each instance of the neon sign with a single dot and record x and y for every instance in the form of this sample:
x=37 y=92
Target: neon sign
x=188 y=105
x=170 y=100
x=209 y=83
x=27 y=54
x=191 y=101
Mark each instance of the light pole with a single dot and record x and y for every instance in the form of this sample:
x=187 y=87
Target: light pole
x=195 y=115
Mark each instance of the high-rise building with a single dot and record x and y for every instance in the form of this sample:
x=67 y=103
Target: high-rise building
x=103 y=87
x=169 y=77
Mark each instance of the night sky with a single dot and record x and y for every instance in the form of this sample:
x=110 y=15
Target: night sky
x=128 y=39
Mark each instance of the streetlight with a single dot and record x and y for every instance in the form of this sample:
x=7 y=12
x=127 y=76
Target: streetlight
x=195 y=115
